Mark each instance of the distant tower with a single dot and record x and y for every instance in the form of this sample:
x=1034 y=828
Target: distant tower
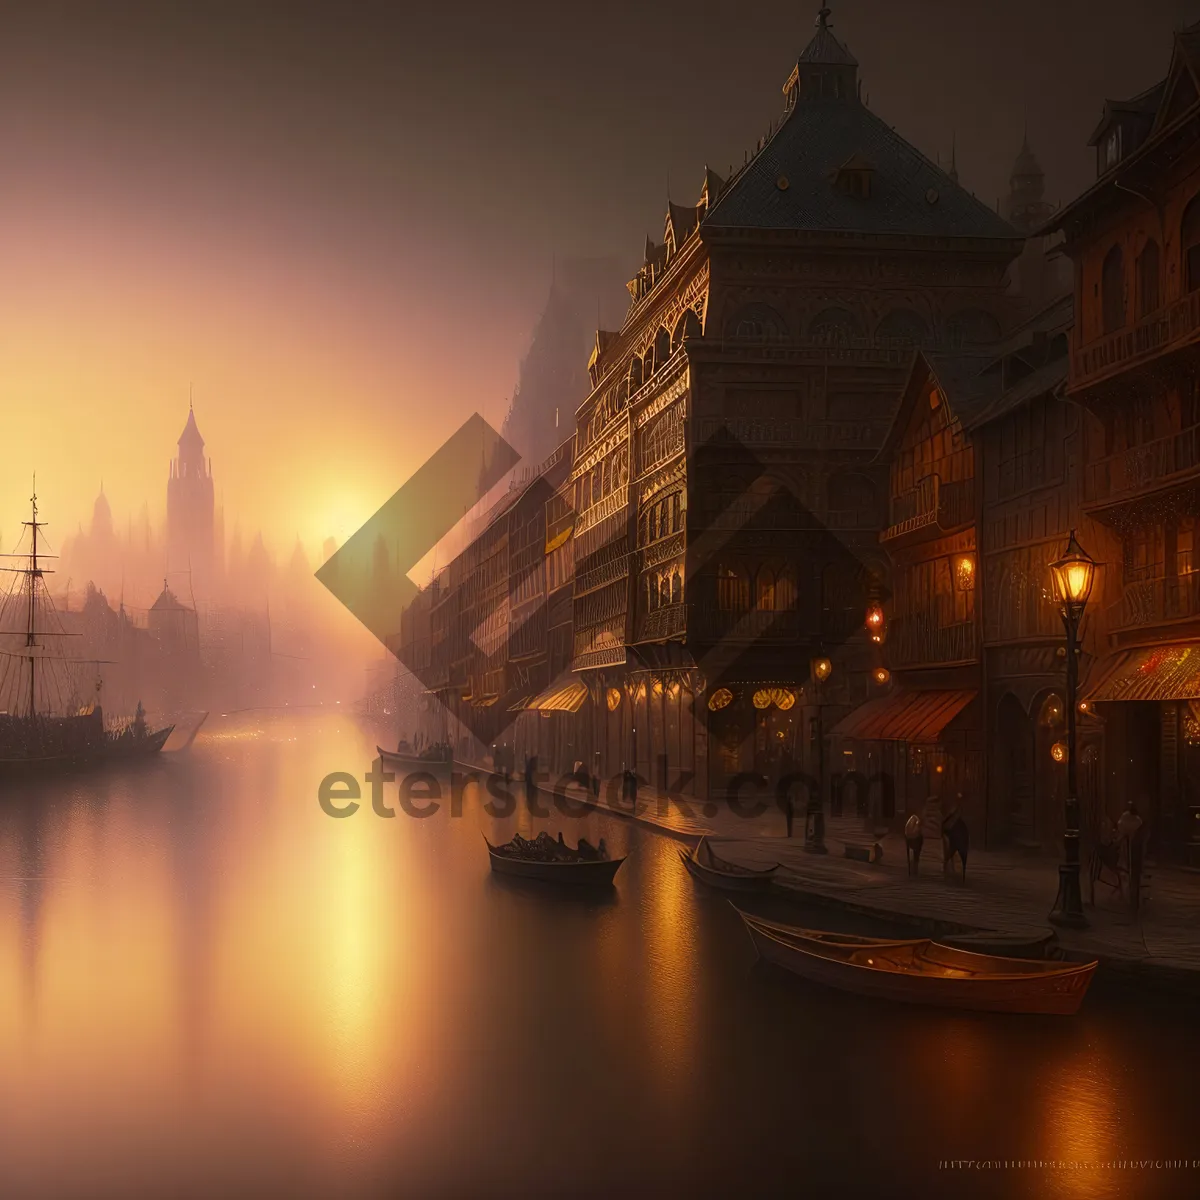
x=190 y=507
x=1027 y=208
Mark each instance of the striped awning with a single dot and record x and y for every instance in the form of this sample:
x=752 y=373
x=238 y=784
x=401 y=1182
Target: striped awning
x=904 y=716
x=562 y=697
x=1151 y=673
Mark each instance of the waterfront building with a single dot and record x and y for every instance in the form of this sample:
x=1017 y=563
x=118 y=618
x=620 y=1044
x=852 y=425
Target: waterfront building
x=1134 y=240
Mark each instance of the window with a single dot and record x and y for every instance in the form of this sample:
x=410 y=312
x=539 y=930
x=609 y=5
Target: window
x=1110 y=149
x=765 y=597
x=835 y=327
x=676 y=586
x=1189 y=237
x=1147 y=271
x=1112 y=290
x=1185 y=546
x=733 y=590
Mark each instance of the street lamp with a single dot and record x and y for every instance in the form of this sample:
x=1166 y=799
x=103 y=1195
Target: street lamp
x=1073 y=576
x=814 y=827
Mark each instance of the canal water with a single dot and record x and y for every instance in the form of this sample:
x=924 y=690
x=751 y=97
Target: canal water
x=208 y=987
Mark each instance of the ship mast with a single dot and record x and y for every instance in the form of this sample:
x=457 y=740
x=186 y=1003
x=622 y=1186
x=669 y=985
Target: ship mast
x=31 y=585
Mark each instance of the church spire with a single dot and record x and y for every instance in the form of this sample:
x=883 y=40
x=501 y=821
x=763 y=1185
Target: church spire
x=953 y=157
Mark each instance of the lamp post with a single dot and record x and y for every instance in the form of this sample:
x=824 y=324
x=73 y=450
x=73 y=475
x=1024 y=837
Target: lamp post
x=1073 y=576
x=814 y=827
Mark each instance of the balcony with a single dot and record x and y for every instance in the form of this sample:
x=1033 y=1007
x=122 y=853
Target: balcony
x=931 y=505
x=1141 y=468
x=1152 y=602
x=1166 y=329
x=917 y=640
x=663 y=623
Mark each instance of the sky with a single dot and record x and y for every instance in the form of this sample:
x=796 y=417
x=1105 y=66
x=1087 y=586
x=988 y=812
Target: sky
x=333 y=224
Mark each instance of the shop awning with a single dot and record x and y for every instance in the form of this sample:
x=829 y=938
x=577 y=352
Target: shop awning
x=559 y=539
x=1151 y=673
x=483 y=701
x=563 y=697
x=904 y=716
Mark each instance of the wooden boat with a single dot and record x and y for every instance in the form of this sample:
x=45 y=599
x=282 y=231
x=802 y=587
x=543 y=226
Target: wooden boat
x=704 y=865
x=920 y=971
x=574 y=868
x=410 y=762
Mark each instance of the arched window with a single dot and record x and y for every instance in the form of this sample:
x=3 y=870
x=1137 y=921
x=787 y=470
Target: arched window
x=902 y=327
x=836 y=327
x=756 y=323
x=972 y=326
x=785 y=590
x=733 y=589
x=664 y=588
x=1112 y=289
x=662 y=347
x=1189 y=239
x=676 y=586
x=635 y=374
x=1148 y=284
x=764 y=598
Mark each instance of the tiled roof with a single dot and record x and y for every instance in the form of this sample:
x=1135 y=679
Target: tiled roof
x=790 y=182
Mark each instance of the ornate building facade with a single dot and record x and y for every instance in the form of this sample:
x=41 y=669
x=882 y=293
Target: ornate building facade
x=1134 y=241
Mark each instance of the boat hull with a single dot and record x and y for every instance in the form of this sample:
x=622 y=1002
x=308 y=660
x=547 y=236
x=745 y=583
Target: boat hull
x=410 y=762
x=599 y=873
x=701 y=866
x=926 y=973
x=113 y=750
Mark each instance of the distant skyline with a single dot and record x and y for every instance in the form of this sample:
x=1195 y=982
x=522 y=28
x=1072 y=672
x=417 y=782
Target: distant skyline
x=335 y=224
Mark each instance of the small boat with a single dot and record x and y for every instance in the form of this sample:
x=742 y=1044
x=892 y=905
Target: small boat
x=411 y=762
x=704 y=865
x=921 y=971
x=554 y=862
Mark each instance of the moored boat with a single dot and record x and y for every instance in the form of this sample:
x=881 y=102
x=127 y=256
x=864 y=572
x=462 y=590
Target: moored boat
x=554 y=862
x=921 y=971
x=704 y=865
x=412 y=762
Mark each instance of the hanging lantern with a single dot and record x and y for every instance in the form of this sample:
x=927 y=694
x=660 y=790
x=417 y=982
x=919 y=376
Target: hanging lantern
x=881 y=675
x=782 y=698
x=762 y=698
x=874 y=617
x=614 y=698
x=1059 y=752
x=821 y=668
x=719 y=699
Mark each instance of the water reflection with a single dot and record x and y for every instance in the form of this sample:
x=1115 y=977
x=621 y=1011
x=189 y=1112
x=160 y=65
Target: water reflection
x=208 y=985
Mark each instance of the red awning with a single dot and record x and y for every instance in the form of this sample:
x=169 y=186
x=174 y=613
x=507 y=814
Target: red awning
x=1151 y=673
x=904 y=716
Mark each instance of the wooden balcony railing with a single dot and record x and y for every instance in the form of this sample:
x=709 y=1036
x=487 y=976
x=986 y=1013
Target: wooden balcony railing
x=1155 y=601
x=931 y=503
x=1165 y=329
x=1121 y=476
x=918 y=640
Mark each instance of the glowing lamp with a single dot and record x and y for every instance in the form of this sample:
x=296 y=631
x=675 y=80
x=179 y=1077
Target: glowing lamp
x=762 y=698
x=614 y=698
x=881 y=675
x=719 y=699
x=822 y=668
x=1073 y=576
x=964 y=572
x=874 y=617
x=1059 y=752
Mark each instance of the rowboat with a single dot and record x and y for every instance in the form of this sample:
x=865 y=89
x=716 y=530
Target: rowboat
x=574 y=868
x=921 y=971
x=704 y=865
x=409 y=762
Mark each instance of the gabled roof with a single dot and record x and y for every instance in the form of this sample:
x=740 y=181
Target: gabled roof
x=1045 y=380
x=1144 y=105
x=788 y=186
x=168 y=602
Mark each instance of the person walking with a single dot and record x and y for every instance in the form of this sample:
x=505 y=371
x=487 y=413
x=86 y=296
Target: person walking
x=914 y=839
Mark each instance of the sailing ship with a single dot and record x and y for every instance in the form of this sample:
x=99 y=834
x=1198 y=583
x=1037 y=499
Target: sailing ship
x=44 y=721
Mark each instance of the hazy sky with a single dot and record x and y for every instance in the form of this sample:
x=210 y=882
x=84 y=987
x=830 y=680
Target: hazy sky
x=336 y=221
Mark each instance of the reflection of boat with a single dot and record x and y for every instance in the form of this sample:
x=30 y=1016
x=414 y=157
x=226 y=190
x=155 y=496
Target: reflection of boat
x=554 y=862
x=43 y=720
x=704 y=865
x=411 y=762
x=920 y=971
